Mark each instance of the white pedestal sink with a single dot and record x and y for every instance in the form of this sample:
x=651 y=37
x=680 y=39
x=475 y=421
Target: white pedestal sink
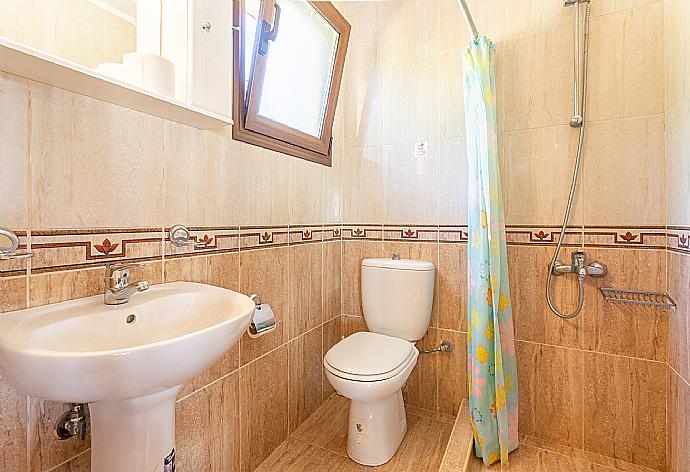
x=128 y=362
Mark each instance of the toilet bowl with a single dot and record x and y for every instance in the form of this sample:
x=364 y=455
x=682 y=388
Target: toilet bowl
x=371 y=369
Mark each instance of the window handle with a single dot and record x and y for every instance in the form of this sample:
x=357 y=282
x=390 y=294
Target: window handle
x=268 y=33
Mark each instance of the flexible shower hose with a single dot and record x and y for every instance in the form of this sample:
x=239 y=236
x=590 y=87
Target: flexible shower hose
x=573 y=185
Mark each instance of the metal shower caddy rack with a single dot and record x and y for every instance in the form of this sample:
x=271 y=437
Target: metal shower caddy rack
x=638 y=297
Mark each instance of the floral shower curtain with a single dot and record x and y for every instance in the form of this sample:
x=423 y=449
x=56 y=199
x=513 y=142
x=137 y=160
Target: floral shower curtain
x=492 y=372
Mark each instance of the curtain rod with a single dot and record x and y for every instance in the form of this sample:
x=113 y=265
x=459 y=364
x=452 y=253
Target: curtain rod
x=468 y=16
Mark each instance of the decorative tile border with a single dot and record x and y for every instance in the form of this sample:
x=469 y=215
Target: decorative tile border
x=255 y=237
x=418 y=233
x=57 y=250
x=362 y=232
x=70 y=249
x=643 y=237
x=306 y=234
x=678 y=239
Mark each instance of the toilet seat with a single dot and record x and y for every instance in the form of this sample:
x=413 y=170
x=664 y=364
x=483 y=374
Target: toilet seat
x=369 y=357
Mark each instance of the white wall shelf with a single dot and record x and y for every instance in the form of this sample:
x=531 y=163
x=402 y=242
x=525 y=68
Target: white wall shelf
x=30 y=63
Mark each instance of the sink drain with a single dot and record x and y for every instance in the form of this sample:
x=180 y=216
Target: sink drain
x=131 y=319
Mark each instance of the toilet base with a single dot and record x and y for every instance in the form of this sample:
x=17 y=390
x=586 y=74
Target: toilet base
x=376 y=429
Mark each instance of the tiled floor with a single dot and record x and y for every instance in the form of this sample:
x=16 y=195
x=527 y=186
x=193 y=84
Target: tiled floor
x=535 y=455
x=320 y=443
x=434 y=443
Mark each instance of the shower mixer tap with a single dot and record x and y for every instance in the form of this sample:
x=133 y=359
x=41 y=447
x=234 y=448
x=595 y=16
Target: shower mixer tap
x=580 y=267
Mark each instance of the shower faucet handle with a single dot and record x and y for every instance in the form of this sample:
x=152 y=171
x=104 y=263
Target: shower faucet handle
x=580 y=267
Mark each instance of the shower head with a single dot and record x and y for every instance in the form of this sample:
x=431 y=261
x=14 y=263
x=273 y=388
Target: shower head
x=573 y=2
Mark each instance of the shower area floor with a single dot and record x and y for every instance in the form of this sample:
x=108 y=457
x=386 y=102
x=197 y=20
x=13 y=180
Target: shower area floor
x=434 y=442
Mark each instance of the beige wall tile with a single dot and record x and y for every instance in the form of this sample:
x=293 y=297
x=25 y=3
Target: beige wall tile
x=364 y=50
x=12 y=293
x=58 y=287
x=678 y=423
x=332 y=272
x=222 y=182
x=451 y=100
x=537 y=173
x=411 y=31
x=450 y=303
x=306 y=288
x=623 y=172
x=45 y=451
x=353 y=324
x=405 y=172
x=362 y=105
x=439 y=381
x=625 y=329
x=187 y=269
x=526 y=17
x=224 y=271
x=93 y=164
x=678 y=163
x=677 y=19
x=625 y=409
x=452 y=184
x=263 y=387
x=679 y=319
x=14 y=152
x=410 y=106
x=533 y=79
x=208 y=428
x=306 y=376
x=363 y=175
x=451 y=371
x=307 y=206
x=354 y=252
x=551 y=397
x=13 y=424
x=332 y=334
x=532 y=317
x=265 y=272
x=626 y=80
x=267 y=178
x=81 y=463
x=185 y=200
x=228 y=363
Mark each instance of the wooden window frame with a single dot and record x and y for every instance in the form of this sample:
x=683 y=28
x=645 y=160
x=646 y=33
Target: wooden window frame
x=276 y=136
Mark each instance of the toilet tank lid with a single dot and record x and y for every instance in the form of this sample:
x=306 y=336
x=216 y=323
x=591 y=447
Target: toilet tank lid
x=400 y=264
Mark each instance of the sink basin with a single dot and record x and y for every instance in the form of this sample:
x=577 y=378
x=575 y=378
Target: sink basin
x=127 y=361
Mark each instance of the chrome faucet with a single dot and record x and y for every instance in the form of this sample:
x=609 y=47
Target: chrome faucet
x=580 y=267
x=118 y=290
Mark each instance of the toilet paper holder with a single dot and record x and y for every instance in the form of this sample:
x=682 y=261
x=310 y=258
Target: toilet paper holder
x=263 y=320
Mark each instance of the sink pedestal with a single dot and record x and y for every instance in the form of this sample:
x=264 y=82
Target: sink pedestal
x=133 y=435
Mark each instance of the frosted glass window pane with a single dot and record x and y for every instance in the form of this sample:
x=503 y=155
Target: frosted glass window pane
x=299 y=69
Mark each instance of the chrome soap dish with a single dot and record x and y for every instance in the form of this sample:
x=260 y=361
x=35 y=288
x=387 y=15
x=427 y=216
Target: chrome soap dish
x=9 y=245
x=637 y=297
x=180 y=236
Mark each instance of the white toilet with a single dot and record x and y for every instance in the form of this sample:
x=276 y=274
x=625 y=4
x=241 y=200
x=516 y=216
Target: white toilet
x=371 y=368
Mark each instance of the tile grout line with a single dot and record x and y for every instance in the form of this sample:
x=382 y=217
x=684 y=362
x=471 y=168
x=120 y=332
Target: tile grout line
x=285 y=344
x=58 y=466
x=679 y=376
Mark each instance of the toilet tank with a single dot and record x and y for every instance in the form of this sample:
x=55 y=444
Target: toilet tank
x=397 y=296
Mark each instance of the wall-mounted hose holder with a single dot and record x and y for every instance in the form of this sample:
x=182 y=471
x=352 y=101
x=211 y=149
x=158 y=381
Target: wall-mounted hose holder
x=446 y=346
